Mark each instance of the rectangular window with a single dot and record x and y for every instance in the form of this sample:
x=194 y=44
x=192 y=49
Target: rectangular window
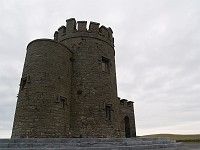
x=63 y=101
x=105 y=64
x=108 y=112
x=28 y=79
x=23 y=83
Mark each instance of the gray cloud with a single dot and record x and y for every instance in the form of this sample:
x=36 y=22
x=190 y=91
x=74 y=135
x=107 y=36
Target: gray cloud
x=157 y=54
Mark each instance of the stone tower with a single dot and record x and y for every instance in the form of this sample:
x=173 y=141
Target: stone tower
x=68 y=86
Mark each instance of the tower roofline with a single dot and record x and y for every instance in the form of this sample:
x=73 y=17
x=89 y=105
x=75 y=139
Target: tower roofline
x=50 y=40
x=75 y=28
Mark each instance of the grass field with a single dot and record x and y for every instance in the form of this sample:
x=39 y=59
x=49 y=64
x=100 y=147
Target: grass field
x=195 y=138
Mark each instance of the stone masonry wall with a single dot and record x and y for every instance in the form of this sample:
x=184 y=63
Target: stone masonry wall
x=93 y=90
x=127 y=116
x=68 y=87
x=45 y=91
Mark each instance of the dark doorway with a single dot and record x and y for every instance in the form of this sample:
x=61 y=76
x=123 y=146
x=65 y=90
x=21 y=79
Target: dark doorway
x=127 y=127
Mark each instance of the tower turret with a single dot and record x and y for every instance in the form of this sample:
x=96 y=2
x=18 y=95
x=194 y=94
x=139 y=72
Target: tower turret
x=45 y=91
x=94 y=103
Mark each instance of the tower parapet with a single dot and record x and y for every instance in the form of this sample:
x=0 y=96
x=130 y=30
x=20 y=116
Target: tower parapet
x=75 y=28
x=126 y=103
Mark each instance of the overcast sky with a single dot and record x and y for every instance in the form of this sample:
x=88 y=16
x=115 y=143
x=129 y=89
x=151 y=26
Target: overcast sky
x=157 y=44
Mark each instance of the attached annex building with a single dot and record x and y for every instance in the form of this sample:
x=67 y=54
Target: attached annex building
x=68 y=87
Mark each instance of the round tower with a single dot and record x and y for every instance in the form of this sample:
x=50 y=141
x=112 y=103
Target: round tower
x=94 y=105
x=45 y=91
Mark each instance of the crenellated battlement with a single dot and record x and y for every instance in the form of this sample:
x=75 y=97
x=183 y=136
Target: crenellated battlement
x=75 y=28
x=126 y=103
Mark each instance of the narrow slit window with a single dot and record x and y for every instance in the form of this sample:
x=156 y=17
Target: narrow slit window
x=108 y=112
x=63 y=102
x=105 y=64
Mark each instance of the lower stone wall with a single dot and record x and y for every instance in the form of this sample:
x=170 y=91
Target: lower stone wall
x=43 y=105
x=127 y=122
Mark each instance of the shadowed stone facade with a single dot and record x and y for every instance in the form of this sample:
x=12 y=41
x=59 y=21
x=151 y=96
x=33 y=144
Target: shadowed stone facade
x=68 y=87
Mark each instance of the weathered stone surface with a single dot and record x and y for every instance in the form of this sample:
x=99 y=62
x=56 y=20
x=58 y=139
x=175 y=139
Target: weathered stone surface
x=45 y=84
x=68 y=87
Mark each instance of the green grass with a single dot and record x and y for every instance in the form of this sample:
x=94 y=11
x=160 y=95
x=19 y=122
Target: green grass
x=193 y=138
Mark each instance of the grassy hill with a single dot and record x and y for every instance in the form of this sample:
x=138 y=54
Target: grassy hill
x=193 y=138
